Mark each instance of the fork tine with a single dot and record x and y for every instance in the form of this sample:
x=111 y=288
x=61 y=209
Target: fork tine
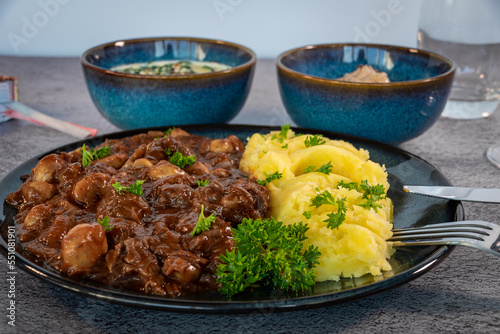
x=476 y=230
x=459 y=224
x=466 y=231
x=442 y=230
x=478 y=234
x=438 y=236
x=437 y=241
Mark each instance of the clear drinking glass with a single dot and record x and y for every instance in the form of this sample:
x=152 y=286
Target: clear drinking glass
x=468 y=32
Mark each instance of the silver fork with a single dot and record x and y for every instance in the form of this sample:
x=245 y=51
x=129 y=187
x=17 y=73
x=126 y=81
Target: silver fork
x=473 y=233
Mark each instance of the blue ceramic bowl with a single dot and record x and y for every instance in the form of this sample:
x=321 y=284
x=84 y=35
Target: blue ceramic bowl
x=387 y=112
x=132 y=101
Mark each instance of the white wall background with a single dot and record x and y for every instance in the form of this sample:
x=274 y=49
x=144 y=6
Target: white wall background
x=69 y=27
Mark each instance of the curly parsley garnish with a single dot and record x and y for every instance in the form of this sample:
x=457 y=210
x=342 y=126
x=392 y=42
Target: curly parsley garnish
x=270 y=178
x=267 y=252
x=105 y=223
x=91 y=154
x=335 y=218
x=314 y=140
x=203 y=223
x=371 y=194
x=180 y=160
x=135 y=188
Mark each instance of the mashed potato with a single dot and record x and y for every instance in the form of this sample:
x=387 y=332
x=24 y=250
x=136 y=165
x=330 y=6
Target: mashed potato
x=358 y=246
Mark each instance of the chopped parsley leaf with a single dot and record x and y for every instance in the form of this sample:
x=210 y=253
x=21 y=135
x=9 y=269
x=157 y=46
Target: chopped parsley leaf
x=371 y=194
x=202 y=183
x=119 y=188
x=283 y=133
x=307 y=214
x=168 y=131
x=180 y=160
x=91 y=154
x=325 y=169
x=270 y=178
x=348 y=185
x=314 y=140
x=203 y=223
x=335 y=218
x=135 y=188
x=309 y=169
x=322 y=198
x=105 y=223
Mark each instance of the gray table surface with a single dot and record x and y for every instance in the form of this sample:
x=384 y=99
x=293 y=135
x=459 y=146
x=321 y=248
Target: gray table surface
x=462 y=294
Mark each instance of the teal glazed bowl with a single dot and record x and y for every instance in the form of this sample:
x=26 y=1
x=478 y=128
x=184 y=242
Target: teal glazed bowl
x=393 y=112
x=132 y=101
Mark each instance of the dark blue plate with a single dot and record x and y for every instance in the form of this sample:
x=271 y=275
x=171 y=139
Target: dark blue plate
x=407 y=263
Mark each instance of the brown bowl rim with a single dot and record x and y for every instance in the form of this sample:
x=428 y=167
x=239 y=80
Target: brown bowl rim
x=353 y=84
x=240 y=68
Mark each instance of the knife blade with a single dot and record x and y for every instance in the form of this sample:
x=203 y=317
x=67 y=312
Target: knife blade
x=484 y=195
